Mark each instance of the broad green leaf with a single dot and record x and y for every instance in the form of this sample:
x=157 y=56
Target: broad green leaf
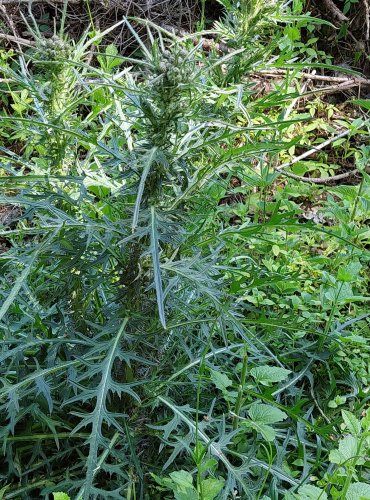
x=211 y=487
x=182 y=478
x=353 y=425
x=220 y=380
x=347 y=450
x=267 y=375
x=260 y=416
x=267 y=432
x=358 y=491
x=266 y=414
x=59 y=495
x=350 y=272
x=311 y=492
x=182 y=485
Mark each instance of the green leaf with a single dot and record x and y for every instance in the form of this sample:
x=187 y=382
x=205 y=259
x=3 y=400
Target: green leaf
x=261 y=415
x=182 y=485
x=3 y=491
x=266 y=431
x=59 y=495
x=350 y=272
x=267 y=375
x=140 y=191
x=358 y=491
x=347 y=449
x=353 y=425
x=266 y=414
x=182 y=478
x=211 y=487
x=365 y=421
x=311 y=492
x=100 y=414
x=220 y=380
x=365 y=103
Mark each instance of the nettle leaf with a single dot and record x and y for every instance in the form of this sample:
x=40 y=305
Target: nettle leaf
x=347 y=449
x=59 y=495
x=358 y=491
x=266 y=414
x=310 y=492
x=220 y=380
x=182 y=485
x=350 y=272
x=267 y=375
x=353 y=425
x=261 y=416
x=211 y=487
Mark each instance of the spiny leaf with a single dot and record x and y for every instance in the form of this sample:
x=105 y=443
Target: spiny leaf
x=148 y=164
x=99 y=414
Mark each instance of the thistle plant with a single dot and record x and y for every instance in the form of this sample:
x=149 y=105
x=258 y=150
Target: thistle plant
x=137 y=354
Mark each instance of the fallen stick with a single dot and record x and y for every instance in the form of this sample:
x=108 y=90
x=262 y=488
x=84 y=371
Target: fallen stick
x=333 y=9
x=323 y=78
x=320 y=180
x=13 y=2
x=312 y=151
x=16 y=39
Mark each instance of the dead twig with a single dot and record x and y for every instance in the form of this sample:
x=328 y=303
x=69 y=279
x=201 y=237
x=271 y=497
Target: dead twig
x=367 y=19
x=14 y=2
x=312 y=151
x=335 y=11
x=324 y=78
x=17 y=39
x=320 y=180
x=316 y=180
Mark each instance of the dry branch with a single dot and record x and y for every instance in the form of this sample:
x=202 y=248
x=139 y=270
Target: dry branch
x=313 y=150
x=321 y=180
x=324 y=78
x=16 y=39
x=335 y=12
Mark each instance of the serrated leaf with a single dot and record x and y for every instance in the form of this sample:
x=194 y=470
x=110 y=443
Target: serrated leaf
x=99 y=415
x=59 y=495
x=267 y=375
x=358 y=491
x=347 y=449
x=266 y=414
x=353 y=425
x=260 y=416
x=182 y=478
x=140 y=191
x=311 y=492
x=267 y=432
x=220 y=380
x=211 y=487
